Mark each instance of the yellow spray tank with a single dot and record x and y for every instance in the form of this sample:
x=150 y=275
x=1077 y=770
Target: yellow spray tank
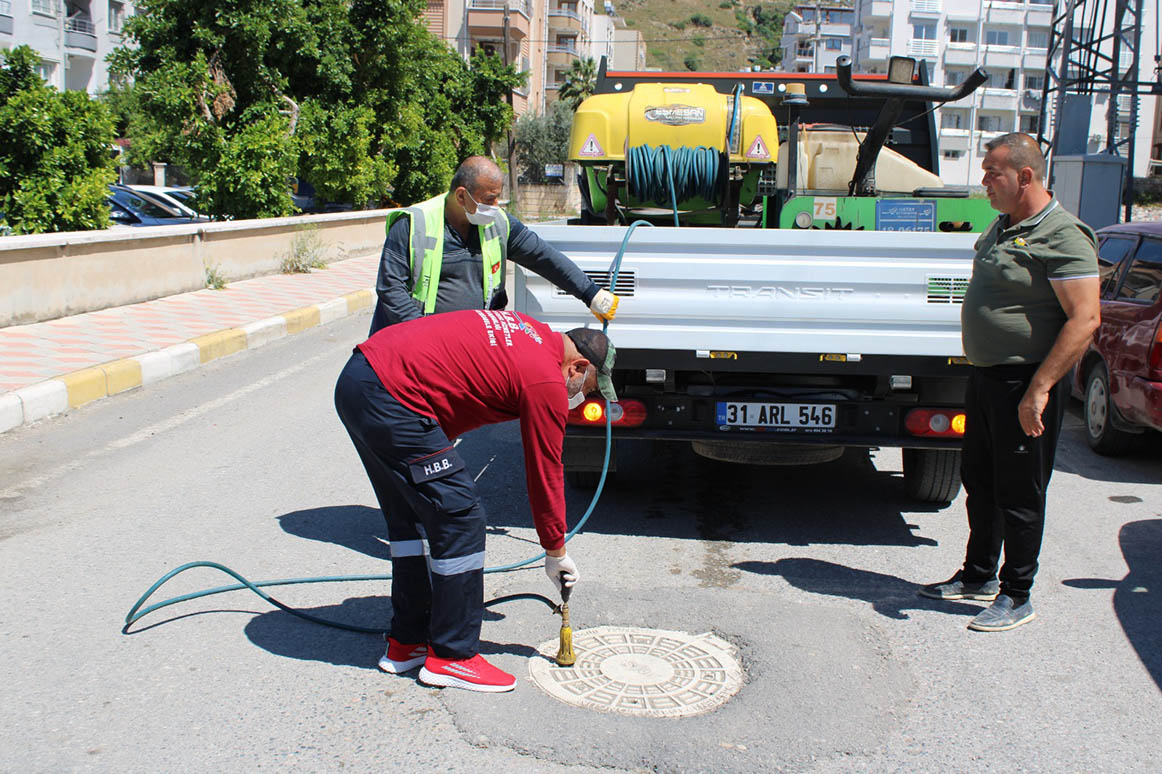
x=718 y=145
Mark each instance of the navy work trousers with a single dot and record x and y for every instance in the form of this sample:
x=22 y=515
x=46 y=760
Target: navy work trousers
x=435 y=521
x=1006 y=475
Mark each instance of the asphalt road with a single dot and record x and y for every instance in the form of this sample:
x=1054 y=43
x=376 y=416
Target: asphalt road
x=811 y=572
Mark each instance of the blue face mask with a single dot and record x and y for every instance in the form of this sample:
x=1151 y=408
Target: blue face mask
x=485 y=213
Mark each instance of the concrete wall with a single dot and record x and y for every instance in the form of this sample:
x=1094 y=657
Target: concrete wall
x=46 y=276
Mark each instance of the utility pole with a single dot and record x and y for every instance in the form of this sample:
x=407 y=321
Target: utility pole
x=817 y=40
x=508 y=132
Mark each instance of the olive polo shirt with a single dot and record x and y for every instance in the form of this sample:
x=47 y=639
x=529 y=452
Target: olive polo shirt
x=1010 y=312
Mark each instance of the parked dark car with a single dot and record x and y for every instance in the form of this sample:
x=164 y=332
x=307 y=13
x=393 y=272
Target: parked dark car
x=1119 y=379
x=126 y=208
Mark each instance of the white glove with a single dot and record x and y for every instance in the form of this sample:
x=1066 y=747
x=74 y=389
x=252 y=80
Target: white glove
x=555 y=565
x=604 y=306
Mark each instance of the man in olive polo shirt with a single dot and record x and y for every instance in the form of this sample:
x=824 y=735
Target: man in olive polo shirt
x=1029 y=311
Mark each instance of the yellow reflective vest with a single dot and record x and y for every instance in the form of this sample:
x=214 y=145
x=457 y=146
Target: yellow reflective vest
x=426 y=243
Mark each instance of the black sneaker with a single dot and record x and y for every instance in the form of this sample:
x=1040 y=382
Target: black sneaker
x=1002 y=615
x=955 y=588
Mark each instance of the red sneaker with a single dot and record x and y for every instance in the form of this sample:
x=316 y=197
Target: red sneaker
x=400 y=657
x=474 y=674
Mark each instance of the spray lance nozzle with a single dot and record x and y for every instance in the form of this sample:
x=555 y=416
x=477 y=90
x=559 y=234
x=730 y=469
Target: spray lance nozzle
x=565 y=654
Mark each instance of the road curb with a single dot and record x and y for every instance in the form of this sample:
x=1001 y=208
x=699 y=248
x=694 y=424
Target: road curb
x=79 y=388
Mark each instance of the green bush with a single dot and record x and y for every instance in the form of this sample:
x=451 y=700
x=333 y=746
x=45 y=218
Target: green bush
x=699 y=41
x=691 y=62
x=56 y=159
x=701 y=20
x=678 y=25
x=726 y=4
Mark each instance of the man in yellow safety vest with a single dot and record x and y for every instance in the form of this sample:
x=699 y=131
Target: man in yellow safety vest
x=450 y=252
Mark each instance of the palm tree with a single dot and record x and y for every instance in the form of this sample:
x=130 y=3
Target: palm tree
x=580 y=82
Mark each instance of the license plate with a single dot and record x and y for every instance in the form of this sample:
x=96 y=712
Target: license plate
x=777 y=416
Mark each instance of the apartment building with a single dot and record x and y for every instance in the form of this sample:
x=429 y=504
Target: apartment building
x=544 y=38
x=72 y=37
x=1010 y=40
x=814 y=36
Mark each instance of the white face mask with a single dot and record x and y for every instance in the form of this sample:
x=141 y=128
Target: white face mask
x=574 y=388
x=485 y=213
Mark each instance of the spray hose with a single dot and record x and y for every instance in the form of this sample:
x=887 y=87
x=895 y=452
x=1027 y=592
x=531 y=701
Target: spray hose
x=682 y=173
x=139 y=611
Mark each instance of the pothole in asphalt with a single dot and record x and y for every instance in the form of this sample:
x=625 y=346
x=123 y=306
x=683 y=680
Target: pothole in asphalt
x=641 y=672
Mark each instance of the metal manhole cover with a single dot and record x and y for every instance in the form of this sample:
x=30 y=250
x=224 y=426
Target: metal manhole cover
x=644 y=672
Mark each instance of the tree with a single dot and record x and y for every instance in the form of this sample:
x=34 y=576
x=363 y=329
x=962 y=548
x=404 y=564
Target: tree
x=543 y=139
x=354 y=96
x=580 y=82
x=56 y=159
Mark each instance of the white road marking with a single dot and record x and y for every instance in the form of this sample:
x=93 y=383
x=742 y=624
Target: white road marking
x=481 y=473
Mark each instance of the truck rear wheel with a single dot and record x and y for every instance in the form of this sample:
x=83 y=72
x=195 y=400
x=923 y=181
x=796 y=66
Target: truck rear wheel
x=932 y=475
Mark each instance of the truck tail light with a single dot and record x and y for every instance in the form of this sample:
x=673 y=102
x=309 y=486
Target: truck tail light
x=626 y=413
x=935 y=423
x=1154 y=361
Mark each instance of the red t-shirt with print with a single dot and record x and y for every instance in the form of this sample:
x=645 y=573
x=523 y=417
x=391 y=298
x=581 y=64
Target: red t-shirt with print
x=477 y=367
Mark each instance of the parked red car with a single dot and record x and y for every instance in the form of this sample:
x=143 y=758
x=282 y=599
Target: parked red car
x=1120 y=377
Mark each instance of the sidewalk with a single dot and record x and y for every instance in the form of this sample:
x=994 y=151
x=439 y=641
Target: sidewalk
x=49 y=367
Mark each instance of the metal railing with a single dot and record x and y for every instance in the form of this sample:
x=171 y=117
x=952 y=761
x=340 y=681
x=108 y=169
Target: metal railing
x=562 y=50
x=498 y=5
x=80 y=25
x=884 y=42
x=926 y=6
x=920 y=47
x=5 y=7
x=47 y=7
x=565 y=13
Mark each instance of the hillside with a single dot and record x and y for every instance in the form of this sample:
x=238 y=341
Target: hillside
x=706 y=35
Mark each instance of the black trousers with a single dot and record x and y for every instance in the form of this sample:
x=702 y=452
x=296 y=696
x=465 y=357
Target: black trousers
x=1006 y=474
x=435 y=522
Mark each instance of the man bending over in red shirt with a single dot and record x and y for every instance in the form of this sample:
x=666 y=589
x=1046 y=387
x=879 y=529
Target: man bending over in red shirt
x=403 y=394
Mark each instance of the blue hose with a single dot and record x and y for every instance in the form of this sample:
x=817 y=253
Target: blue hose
x=137 y=612
x=666 y=175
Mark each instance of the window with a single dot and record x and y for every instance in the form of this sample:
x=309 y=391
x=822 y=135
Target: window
x=839 y=17
x=1041 y=2
x=46 y=7
x=835 y=44
x=950 y=119
x=1003 y=79
x=116 y=15
x=804 y=49
x=47 y=71
x=996 y=37
x=1038 y=39
x=986 y=123
x=1030 y=124
x=958 y=34
x=952 y=155
x=924 y=32
x=1034 y=82
x=1110 y=255
x=954 y=77
x=808 y=14
x=569 y=42
x=1144 y=277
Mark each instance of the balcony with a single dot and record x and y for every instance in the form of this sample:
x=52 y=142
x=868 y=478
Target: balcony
x=81 y=34
x=923 y=48
x=565 y=20
x=1005 y=13
x=878 y=49
x=953 y=139
x=1039 y=15
x=999 y=99
x=960 y=54
x=6 y=17
x=1006 y=57
x=1031 y=99
x=876 y=9
x=486 y=19
x=562 y=55
x=1035 y=59
x=925 y=7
